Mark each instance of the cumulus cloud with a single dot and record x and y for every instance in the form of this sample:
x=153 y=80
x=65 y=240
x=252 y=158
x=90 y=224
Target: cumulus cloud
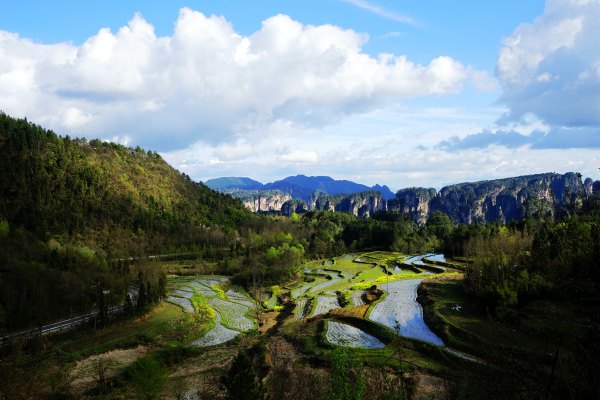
x=551 y=67
x=206 y=81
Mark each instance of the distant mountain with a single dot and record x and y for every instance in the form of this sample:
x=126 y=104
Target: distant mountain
x=271 y=196
x=233 y=182
x=385 y=191
x=302 y=187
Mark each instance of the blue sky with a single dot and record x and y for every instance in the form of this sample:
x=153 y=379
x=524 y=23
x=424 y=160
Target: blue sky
x=401 y=93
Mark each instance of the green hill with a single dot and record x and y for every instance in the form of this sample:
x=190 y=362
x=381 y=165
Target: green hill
x=95 y=190
x=69 y=206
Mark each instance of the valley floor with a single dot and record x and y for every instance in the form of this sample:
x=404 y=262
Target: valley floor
x=334 y=325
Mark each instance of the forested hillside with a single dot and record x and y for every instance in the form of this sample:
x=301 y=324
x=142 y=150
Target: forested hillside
x=104 y=194
x=69 y=208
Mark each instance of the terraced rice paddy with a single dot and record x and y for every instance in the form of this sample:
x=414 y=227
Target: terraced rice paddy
x=299 y=311
x=233 y=312
x=436 y=257
x=184 y=303
x=182 y=293
x=217 y=335
x=233 y=315
x=346 y=335
x=321 y=286
x=361 y=271
x=357 y=299
x=235 y=309
x=241 y=298
x=323 y=304
x=212 y=280
x=300 y=291
x=400 y=307
x=202 y=289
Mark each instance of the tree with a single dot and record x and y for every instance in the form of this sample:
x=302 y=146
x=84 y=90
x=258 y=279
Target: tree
x=4 y=228
x=347 y=381
x=441 y=225
x=241 y=381
x=142 y=298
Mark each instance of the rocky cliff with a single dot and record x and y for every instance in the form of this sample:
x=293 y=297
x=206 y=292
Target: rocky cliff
x=363 y=204
x=414 y=202
x=260 y=200
x=293 y=206
x=502 y=200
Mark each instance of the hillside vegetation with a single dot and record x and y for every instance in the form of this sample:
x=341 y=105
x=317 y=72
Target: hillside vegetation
x=68 y=207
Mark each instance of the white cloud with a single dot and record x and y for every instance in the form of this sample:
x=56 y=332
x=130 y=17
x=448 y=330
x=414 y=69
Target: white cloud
x=382 y=12
x=484 y=81
x=229 y=152
x=206 y=81
x=550 y=67
x=299 y=157
x=393 y=34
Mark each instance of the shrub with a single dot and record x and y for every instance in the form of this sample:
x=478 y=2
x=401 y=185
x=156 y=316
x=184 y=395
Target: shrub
x=148 y=376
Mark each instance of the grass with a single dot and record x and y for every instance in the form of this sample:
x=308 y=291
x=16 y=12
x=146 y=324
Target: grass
x=271 y=302
x=369 y=274
x=469 y=328
x=127 y=333
x=147 y=376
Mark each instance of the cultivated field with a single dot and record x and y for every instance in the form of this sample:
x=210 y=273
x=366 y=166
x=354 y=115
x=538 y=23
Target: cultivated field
x=230 y=306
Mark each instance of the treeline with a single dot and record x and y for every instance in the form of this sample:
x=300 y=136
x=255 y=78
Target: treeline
x=512 y=264
x=44 y=282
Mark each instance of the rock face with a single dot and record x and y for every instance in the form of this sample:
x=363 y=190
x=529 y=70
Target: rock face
x=363 y=204
x=502 y=200
x=588 y=184
x=261 y=200
x=414 y=202
x=293 y=206
x=263 y=203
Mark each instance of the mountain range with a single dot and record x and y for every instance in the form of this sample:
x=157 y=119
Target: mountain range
x=299 y=187
x=539 y=196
